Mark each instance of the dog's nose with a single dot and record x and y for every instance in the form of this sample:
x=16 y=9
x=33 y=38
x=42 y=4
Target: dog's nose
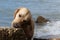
x=16 y=25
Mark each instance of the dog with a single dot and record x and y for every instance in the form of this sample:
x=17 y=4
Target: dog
x=23 y=19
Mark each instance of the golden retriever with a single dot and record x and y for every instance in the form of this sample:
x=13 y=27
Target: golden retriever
x=23 y=19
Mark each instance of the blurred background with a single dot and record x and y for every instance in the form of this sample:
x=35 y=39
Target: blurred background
x=50 y=9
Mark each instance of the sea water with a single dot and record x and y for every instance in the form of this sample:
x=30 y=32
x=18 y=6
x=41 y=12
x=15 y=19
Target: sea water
x=49 y=9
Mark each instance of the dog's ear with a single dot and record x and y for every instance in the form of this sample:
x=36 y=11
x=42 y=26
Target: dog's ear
x=16 y=11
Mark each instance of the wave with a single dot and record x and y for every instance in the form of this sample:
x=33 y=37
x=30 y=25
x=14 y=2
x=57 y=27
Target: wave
x=50 y=30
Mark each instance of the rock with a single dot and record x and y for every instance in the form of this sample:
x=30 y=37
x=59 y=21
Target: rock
x=54 y=39
x=39 y=39
x=47 y=39
x=12 y=34
x=41 y=19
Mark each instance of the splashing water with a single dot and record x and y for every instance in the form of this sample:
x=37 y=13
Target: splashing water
x=50 y=30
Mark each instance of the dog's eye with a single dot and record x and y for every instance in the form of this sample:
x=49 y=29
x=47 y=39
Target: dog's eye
x=19 y=15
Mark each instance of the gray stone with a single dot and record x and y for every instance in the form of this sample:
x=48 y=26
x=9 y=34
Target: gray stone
x=41 y=19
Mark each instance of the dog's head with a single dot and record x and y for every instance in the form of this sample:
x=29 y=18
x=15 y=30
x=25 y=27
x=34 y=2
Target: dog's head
x=21 y=15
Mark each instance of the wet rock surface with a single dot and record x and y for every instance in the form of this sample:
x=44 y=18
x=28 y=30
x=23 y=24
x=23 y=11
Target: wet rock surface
x=39 y=39
x=12 y=34
x=47 y=39
x=41 y=19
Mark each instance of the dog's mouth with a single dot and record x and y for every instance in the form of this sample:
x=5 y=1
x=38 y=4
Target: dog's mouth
x=21 y=24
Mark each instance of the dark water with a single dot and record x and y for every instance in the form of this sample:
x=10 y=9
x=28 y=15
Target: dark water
x=49 y=9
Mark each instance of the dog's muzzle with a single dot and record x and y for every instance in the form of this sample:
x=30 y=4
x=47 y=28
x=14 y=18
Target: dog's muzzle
x=20 y=24
x=16 y=25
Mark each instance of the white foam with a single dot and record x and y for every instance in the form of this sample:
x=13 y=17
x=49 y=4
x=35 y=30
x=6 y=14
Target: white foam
x=49 y=30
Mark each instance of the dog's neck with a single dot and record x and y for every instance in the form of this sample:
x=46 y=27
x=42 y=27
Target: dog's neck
x=25 y=24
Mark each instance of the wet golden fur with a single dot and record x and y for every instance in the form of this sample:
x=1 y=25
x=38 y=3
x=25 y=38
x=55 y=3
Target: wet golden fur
x=28 y=27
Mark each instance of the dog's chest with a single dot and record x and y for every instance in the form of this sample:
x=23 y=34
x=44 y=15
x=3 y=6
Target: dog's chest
x=27 y=26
